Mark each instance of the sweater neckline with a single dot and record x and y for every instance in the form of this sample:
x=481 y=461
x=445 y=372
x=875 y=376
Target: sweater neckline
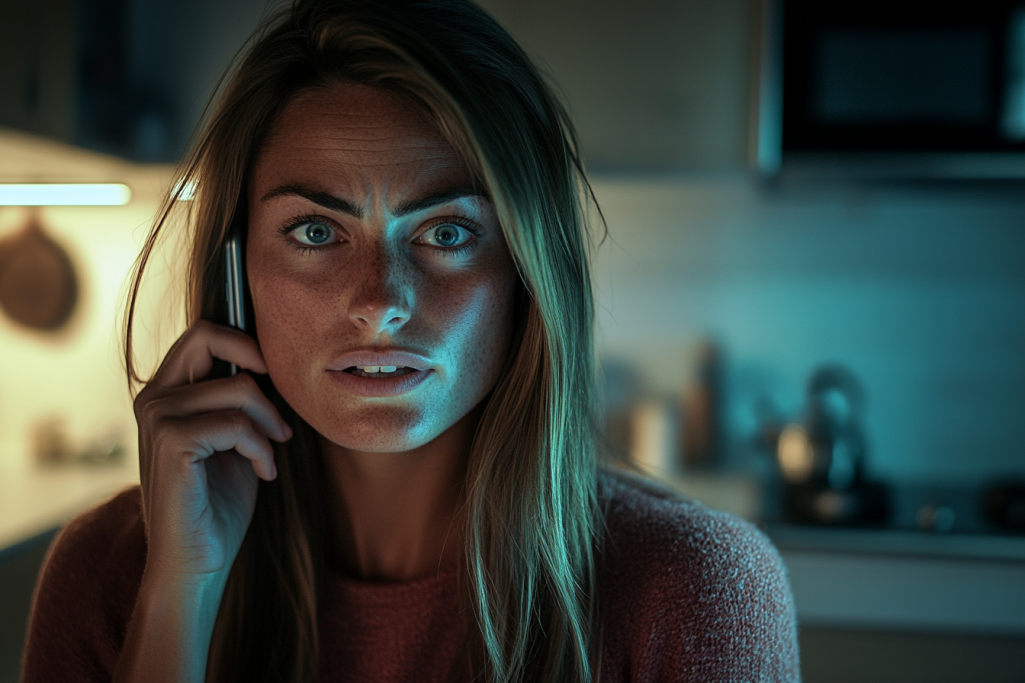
x=444 y=578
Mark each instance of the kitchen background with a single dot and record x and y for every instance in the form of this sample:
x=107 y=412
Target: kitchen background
x=714 y=282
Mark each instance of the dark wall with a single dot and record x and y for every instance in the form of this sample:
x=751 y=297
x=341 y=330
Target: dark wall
x=125 y=77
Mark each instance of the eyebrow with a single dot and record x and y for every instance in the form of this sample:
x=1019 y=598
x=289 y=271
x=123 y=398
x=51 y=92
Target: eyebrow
x=328 y=201
x=332 y=203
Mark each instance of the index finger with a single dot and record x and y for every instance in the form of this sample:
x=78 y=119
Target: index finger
x=192 y=356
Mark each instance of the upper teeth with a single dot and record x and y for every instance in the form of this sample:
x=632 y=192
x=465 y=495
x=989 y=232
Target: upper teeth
x=373 y=369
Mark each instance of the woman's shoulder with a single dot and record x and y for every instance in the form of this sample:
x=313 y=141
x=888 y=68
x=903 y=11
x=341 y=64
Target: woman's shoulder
x=86 y=593
x=703 y=594
x=644 y=515
x=107 y=539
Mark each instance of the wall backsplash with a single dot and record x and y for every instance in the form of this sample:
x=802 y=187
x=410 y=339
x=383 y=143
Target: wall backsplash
x=72 y=374
x=72 y=377
x=919 y=290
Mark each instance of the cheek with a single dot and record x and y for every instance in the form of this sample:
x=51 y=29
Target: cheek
x=287 y=313
x=479 y=330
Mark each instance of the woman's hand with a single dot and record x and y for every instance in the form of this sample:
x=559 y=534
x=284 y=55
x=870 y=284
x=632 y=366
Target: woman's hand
x=202 y=445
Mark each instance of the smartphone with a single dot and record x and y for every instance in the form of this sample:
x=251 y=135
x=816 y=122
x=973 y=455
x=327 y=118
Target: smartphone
x=234 y=289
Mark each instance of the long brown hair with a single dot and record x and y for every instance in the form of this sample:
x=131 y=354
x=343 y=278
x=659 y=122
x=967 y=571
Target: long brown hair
x=531 y=508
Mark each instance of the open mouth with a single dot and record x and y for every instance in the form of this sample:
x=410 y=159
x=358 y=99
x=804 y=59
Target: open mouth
x=379 y=371
x=380 y=381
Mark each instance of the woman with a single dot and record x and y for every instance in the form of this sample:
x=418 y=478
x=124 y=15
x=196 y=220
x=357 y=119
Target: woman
x=404 y=484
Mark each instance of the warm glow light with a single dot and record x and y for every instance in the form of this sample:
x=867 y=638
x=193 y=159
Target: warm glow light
x=58 y=194
x=796 y=457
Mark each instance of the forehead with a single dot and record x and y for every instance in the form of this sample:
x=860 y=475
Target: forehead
x=352 y=138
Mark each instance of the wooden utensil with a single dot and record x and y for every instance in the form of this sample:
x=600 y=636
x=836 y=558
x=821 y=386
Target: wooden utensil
x=38 y=285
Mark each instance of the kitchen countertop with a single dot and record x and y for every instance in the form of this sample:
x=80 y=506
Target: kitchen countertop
x=894 y=579
x=897 y=542
x=34 y=501
x=905 y=580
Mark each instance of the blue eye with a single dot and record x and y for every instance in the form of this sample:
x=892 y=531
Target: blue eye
x=313 y=233
x=446 y=236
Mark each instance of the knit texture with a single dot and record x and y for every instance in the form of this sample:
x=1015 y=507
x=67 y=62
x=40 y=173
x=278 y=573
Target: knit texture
x=686 y=593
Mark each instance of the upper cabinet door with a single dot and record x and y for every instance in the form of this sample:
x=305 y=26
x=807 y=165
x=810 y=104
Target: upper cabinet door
x=652 y=85
x=37 y=66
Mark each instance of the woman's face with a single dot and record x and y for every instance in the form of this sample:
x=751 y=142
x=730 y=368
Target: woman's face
x=381 y=281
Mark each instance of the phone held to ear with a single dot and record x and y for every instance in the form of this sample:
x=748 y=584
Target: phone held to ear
x=234 y=290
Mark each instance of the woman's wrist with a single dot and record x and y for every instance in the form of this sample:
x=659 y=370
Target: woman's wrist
x=169 y=634
x=190 y=601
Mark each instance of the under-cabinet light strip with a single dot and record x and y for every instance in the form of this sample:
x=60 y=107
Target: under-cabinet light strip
x=64 y=194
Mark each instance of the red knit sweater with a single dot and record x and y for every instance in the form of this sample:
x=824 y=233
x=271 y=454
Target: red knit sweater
x=688 y=594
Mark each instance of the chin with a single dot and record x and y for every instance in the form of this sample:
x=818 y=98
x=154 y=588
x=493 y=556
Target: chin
x=376 y=429
x=375 y=443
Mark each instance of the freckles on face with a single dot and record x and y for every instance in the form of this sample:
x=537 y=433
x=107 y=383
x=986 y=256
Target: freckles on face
x=369 y=237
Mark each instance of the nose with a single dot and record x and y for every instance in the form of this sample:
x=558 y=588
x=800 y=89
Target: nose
x=378 y=319
x=380 y=302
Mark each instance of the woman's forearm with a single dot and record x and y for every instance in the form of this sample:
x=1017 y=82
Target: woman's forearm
x=168 y=636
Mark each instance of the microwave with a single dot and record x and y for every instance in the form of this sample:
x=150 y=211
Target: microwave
x=891 y=89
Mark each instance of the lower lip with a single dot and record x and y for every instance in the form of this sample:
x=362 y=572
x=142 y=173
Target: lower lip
x=379 y=387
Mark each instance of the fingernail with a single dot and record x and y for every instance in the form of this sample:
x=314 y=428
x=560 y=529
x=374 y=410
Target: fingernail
x=286 y=433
